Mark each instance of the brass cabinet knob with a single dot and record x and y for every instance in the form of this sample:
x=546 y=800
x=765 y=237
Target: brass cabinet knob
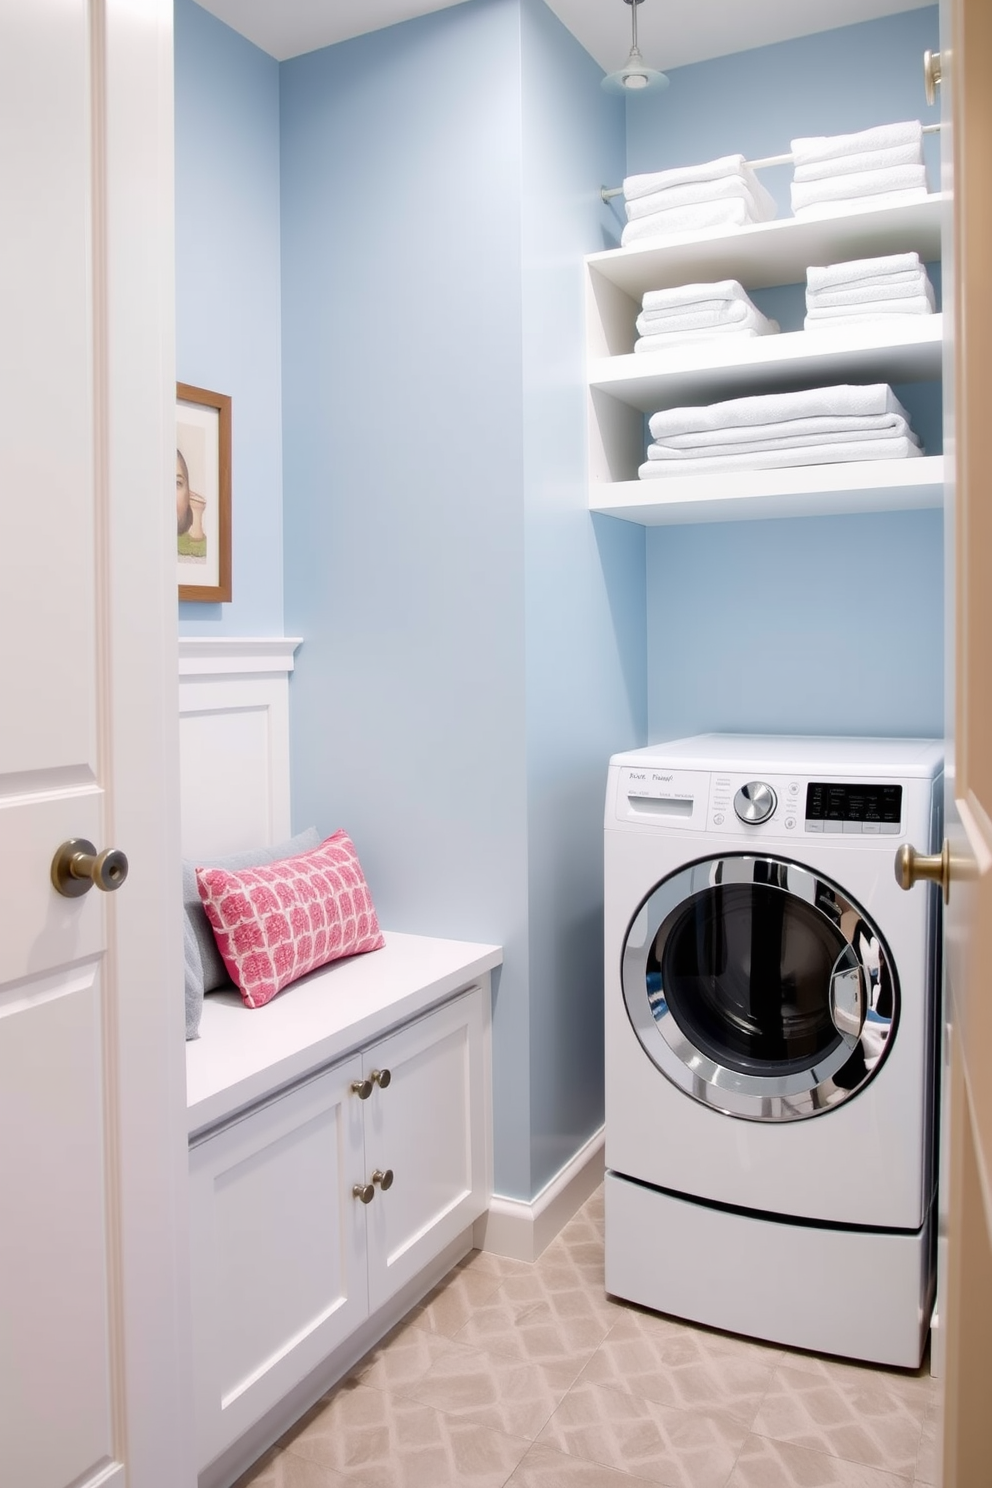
x=77 y=866
x=381 y=1078
x=913 y=867
x=363 y=1089
x=384 y=1179
x=363 y=1191
x=931 y=75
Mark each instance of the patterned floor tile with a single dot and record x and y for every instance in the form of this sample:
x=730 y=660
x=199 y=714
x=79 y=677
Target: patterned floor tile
x=403 y=1356
x=770 y=1464
x=862 y=1419
x=912 y=1385
x=928 y=1458
x=282 y=1469
x=452 y=1302
x=657 y=1326
x=543 y=1467
x=497 y=1265
x=530 y=1331
x=379 y=1440
x=685 y=1449
x=568 y=1290
x=678 y=1367
x=495 y=1391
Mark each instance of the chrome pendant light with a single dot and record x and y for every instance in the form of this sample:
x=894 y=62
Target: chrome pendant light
x=635 y=76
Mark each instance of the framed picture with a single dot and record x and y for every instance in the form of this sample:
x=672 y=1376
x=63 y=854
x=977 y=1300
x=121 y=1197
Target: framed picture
x=203 y=494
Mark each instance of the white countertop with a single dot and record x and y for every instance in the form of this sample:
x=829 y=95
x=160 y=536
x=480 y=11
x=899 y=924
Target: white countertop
x=244 y=1053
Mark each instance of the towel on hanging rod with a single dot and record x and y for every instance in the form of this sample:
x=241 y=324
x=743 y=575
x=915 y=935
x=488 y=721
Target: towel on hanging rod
x=608 y=192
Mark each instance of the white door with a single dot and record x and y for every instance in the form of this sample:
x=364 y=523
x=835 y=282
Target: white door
x=93 y=1385
x=966 y=55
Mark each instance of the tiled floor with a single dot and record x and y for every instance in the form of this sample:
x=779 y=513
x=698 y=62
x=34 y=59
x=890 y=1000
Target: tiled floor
x=528 y=1376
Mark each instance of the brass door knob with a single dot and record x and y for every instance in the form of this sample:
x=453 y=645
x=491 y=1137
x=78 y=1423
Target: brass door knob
x=384 y=1179
x=77 y=866
x=931 y=76
x=381 y=1078
x=913 y=868
x=363 y=1089
x=363 y=1191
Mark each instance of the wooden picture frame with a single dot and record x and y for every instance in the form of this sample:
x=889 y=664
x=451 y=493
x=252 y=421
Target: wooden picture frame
x=203 y=494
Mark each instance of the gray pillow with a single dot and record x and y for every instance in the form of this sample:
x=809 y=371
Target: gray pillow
x=205 y=971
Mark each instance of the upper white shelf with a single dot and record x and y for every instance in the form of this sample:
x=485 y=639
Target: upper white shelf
x=711 y=370
x=800 y=491
x=775 y=252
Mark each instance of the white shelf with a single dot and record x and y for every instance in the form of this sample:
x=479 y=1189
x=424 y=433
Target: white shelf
x=809 y=490
x=709 y=371
x=775 y=252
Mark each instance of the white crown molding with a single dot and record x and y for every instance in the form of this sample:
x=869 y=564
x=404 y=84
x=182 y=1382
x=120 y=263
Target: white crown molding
x=226 y=656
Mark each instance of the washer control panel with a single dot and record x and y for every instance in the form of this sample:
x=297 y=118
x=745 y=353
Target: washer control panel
x=746 y=806
x=797 y=805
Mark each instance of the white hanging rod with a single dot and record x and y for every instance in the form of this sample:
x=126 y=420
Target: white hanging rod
x=610 y=191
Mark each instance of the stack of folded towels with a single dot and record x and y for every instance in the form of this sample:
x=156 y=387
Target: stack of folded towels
x=719 y=193
x=878 y=167
x=817 y=426
x=867 y=289
x=698 y=312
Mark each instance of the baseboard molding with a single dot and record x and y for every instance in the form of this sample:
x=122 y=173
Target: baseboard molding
x=521 y=1229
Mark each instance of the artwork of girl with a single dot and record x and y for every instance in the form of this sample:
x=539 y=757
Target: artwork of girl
x=191 y=539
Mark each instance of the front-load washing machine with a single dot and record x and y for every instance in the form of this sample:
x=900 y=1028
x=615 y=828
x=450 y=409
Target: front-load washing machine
x=771 y=1025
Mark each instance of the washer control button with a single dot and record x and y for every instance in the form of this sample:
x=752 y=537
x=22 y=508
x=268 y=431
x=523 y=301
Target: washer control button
x=718 y=820
x=755 y=802
x=814 y=826
x=793 y=789
x=790 y=822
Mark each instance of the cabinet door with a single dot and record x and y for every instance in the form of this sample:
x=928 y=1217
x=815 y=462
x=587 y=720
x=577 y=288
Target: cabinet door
x=428 y=1126
x=278 y=1251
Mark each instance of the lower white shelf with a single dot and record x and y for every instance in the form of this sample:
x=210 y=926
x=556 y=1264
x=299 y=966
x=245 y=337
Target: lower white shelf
x=799 y=491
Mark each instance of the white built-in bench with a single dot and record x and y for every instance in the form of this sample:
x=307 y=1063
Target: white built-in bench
x=291 y=1108
x=340 y=1153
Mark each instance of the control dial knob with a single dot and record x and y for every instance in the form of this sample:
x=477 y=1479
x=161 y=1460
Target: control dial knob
x=755 y=802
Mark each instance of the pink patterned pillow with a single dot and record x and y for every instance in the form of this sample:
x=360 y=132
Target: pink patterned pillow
x=276 y=922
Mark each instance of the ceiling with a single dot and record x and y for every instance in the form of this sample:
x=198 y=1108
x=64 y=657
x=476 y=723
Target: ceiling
x=671 y=32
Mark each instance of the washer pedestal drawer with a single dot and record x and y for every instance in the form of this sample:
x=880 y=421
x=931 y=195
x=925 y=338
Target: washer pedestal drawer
x=863 y=1294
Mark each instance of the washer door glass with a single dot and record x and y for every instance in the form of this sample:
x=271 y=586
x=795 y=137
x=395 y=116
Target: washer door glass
x=759 y=987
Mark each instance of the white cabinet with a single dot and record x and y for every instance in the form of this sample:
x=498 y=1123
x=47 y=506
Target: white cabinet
x=624 y=386
x=287 y=1259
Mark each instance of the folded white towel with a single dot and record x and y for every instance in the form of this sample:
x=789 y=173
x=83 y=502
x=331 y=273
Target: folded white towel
x=852 y=270
x=710 y=170
x=865 y=316
x=734 y=212
x=678 y=296
x=816 y=170
x=842 y=400
x=663 y=343
x=918 y=304
x=853 y=204
x=870 y=291
x=746 y=184
x=698 y=317
x=885 y=137
x=811 y=454
x=805 y=430
x=688 y=195
x=861 y=183
x=778 y=442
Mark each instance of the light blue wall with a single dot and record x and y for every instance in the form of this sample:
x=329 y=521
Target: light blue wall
x=799 y=626
x=227 y=293
x=585 y=631
x=473 y=647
